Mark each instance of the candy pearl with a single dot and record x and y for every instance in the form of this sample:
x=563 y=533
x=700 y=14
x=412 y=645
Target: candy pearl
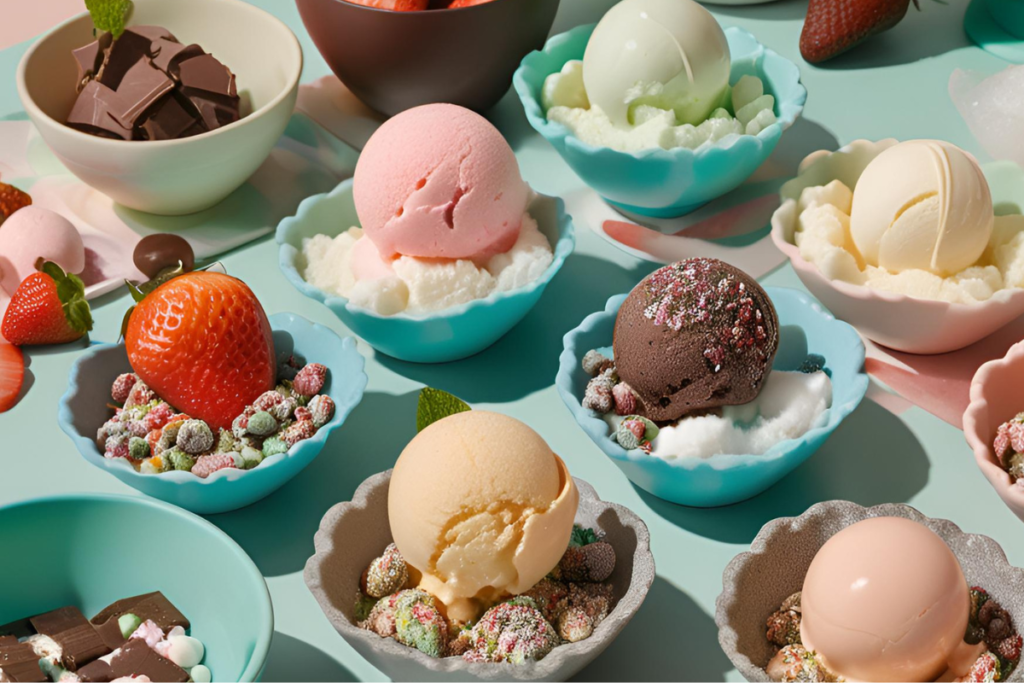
x=185 y=651
x=201 y=674
x=153 y=253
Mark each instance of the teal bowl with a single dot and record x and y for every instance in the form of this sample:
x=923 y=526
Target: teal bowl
x=806 y=329
x=439 y=337
x=657 y=182
x=84 y=408
x=1009 y=14
x=90 y=550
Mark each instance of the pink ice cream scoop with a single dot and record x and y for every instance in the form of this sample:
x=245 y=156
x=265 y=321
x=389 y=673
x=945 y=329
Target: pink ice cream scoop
x=439 y=181
x=32 y=233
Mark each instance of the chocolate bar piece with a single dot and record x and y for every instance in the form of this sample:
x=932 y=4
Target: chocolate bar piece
x=90 y=57
x=154 y=607
x=140 y=89
x=169 y=120
x=93 y=113
x=124 y=53
x=19 y=662
x=110 y=634
x=135 y=658
x=77 y=639
x=168 y=55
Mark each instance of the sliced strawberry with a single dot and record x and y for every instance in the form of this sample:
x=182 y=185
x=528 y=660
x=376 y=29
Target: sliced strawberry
x=49 y=307
x=12 y=374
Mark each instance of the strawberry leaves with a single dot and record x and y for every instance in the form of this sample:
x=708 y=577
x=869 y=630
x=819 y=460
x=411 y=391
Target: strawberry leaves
x=71 y=292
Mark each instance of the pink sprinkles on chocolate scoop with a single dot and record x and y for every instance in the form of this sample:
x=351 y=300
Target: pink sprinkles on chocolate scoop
x=700 y=291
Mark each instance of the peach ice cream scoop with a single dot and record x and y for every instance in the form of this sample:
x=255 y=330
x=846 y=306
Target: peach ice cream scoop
x=885 y=600
x=439 y=181
x=482 y=508
x=32 y=233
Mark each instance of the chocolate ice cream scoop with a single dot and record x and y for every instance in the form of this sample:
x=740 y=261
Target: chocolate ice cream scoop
x=695 y=335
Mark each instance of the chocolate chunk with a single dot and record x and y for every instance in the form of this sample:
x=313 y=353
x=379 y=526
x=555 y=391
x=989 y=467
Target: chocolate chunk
x=19 y=662
x=90 y=57
x=135 y=658
x=154 y=607
x=92 y=112
x=110 y=634
x=19 y=629
x=168 y=120
x=124 y=53
x=168 y=55
x=140 y=89
x=214 y=111
x=8 y=641
x=206 y=73
x=77 y=638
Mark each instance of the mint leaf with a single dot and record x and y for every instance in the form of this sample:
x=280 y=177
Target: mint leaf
x=109 y=15
x=435 y=405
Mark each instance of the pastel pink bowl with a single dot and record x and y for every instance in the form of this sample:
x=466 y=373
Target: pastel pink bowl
x=997 y=394
x=895 y=320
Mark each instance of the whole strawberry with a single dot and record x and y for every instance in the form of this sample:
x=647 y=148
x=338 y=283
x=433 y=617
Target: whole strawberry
x=49 y=307
x=834 y=26
x=202 y=342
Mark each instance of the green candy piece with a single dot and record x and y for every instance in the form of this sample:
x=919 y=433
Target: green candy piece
x=179 y=460
x=262 y=424
x=273 y=446
x=251 y=457
x=435 y=405
x=138 y=449
x=128 y=623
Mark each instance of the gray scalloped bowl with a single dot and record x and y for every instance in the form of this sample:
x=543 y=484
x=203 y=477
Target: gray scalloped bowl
x=84 y=408
x=352 y=534
x=394 y=61
x=756 y=582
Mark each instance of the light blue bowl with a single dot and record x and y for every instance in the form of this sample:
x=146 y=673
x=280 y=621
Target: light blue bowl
x=806 y=328
x=447 y=335
x=89 y=550
x=658 y=182
x=84 y=409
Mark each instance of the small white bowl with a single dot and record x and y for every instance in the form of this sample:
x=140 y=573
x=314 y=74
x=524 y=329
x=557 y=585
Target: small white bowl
x=895 y=320
x=172 y=177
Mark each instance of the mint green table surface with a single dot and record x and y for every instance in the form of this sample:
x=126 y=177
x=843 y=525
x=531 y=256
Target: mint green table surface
x=874 y=457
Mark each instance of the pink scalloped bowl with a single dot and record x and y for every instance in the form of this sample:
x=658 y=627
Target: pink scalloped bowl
x=997 y=394
x=895 y=320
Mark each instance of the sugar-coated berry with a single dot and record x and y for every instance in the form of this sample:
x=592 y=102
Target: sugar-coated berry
x=116 y=446
x=275 y=403
x=273 y=446
x=513 y=631
x=303 y=413
x=140 y=394
x=321 y=407
x=261 y=423
x=208 y=464
x=595 y=362
x=297 y=431
x=194 y=437
x=310 y=380
x=386 y=574
x=123 y=386
x=598 y=396
x=179 y=459
x=158 y=416
x=138 y=449
x=251 y=457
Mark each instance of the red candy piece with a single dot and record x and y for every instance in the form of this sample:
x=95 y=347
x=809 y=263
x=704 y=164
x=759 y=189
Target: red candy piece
x=310 y=380
x=208 y=464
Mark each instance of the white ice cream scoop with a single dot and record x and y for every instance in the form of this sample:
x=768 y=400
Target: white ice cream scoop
x=671 y=54
x=922 y=204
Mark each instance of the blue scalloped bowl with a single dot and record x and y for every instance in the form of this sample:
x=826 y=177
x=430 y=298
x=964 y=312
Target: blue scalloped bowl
x=658 y=182
x=726 y=479
x=447 y=335
x=84 y=408
x=90 y=550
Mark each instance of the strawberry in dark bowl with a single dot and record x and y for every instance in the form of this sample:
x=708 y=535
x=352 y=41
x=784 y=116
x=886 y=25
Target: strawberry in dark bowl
x=208 y=403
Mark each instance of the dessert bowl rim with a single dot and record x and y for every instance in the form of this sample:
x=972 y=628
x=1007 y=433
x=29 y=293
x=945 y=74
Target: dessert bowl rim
x=1010 y=493
x=553 y=131
x=727 y=634
x=283 y=322
x=258 y=658
x=592 y=424
x=287 y=230
x=639 y=584
x=290 y=87
x=863 y=292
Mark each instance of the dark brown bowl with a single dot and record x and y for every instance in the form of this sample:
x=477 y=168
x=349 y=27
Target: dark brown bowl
x=393 y=61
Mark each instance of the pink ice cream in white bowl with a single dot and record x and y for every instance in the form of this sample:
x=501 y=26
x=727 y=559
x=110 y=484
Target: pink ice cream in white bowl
x=437 y=234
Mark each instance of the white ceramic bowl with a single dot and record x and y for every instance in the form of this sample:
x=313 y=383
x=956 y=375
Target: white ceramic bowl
x=997 y=394
x=895 y=320
x=172 y=177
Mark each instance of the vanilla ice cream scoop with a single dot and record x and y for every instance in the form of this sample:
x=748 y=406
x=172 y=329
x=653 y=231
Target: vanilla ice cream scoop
x=885 y=600
x=922 y=204
x=482 y=508
x=671 y=54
